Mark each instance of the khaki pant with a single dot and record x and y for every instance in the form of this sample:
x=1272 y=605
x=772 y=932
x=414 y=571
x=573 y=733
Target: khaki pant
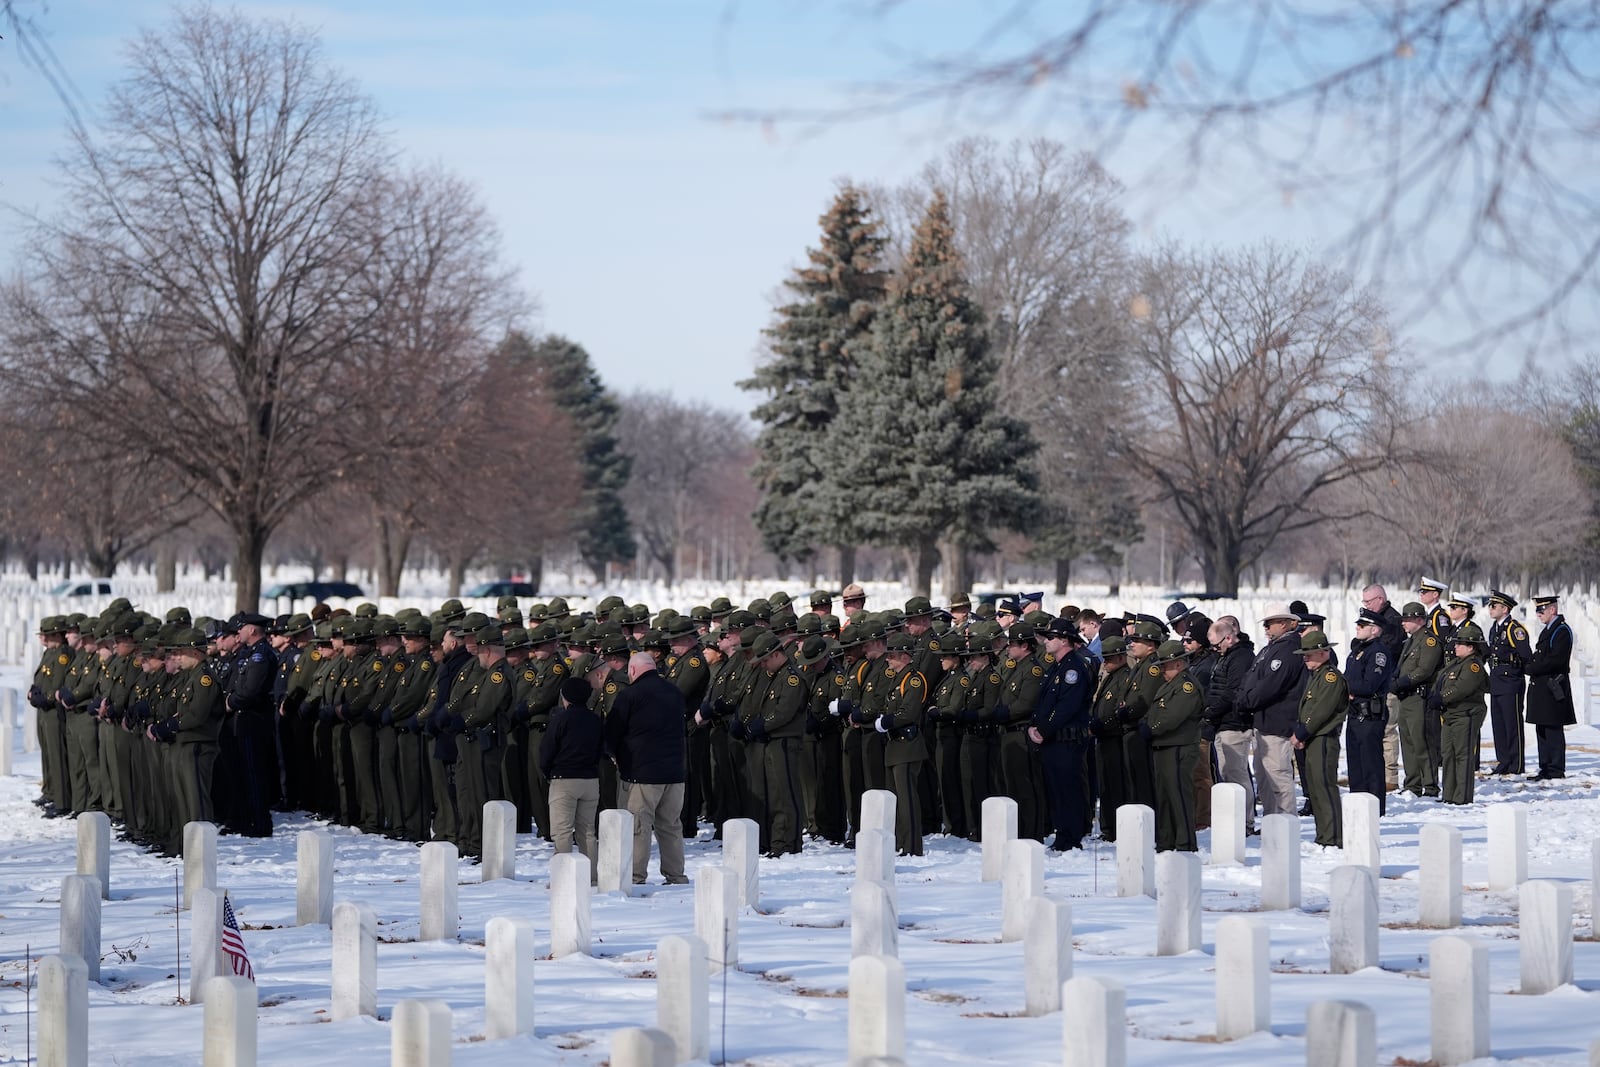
x=1275 y=774
x=1233 y=760
x=574 y=807
x=658 y=810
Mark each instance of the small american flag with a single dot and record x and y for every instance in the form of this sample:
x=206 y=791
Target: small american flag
x=233 y=943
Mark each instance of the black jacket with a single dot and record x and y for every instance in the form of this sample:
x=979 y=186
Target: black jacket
x=1550 y=689
x=572 y=743
x=1271 y=688
x=644 y=731
x=1222 y=693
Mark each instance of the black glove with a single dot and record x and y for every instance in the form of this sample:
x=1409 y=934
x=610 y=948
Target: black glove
x=457 y=724
x=1208 y=732
x=386 y=717
x=860 y=718
x=736 y=729
x=720 y=707
x=1401 y=686
x=756 y=730
x=847 y=708
x=64 y=697
x=1145 y=730
x=166 y=731
x=521 y=713
x=325 y=713
x=1002 y=712
x=1094 y=728
x=36 y=697
x=1124 y=716
x=1302 y=733
x=1436 y=701
x=969 y=714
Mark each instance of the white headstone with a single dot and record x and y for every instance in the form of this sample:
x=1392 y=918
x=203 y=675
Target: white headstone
x=741 y=853
x=1228 y=802
x=1136 y=851
x=615 y=856
x=877 y=1024
x=874 y=926
x=1094 y=1022
x=641 y=1046
x=80 y=921
x=94 y=849
x=199 y=859
x=1458 y=998
x=1439 y=877
x=1341 y=1033
x=205 y=941
x=441 y=919
x=1046 y=954
x=878 y=810
x=1594 y=1053
x=420 y=1034
x=355 y=960
x=875 y=858
x=1361 y=832
x=1280 y=862
x=1177 y=903
x=999 y=826
x=1544 y=934
x=499 y=840
x=1352 y=920
x=716 y=914
x=1244 y=975
x=230 y=1023
x=1508 y=846
x=30 y=728
x=6 y=738
x=1024 y=880
x=1594 y=888
x=569 y=904
x=683 y=996
x=63 y=1012
x=313 y=894
x=509 y=952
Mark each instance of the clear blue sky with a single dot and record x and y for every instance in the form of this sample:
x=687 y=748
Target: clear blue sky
x=647 y=231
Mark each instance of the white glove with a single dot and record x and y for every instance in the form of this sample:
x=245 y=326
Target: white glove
x=881 y=725
x=833 y=707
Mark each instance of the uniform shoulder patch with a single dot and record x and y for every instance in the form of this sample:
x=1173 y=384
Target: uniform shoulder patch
x=496 y=677
x=1154 y=669
x=1188 y=687
x=694 y=661
x=933 y=645
x=1380 y=659
x=315 y=655
x=1038 y=671
x=966 y=682
x=793 y=680
x=1432 y=642
x=426 y=664
x=529 y=676
x=377 y=664
x=205 y=679
x=558 y=669
x=994 y=679
x=1475 y=667
x=838 y=680
x=1331 y=676
x=399 y=666
x=1010 y=663
x=1072 y=677
x=914 y=681
x=611 y=687
x=65 y=659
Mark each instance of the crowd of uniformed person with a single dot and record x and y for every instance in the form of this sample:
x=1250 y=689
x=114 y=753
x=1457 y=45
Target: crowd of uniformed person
x=407 y=724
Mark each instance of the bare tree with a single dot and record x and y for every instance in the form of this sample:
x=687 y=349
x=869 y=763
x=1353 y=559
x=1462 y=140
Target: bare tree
x=1266 y=381
x=220 y=206
x=1443 y=134
x=689 y=460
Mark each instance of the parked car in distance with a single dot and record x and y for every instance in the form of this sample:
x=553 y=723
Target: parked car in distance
x=85 y=587
x=314 y=590
x=488 y=589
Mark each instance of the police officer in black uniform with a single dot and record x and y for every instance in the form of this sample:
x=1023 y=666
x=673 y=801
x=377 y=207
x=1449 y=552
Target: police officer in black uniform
x=252 y=759
x=1060 y=727
x=1509 y=649
x=1367 y=674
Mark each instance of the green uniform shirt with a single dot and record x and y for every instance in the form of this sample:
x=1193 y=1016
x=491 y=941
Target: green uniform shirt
x=1325 y=701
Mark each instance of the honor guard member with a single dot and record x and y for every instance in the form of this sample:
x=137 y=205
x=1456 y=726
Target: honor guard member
x=960 y=611
x=1323 y=707
x=1171 y=729
x=1420 y=659
x=48 y=676
x=1107 y=730
x=249 y=707
x=481 y=710
x=454 y=677
x=901 y=723
x=535 y=702
x=944 y=723
x=1144 y=681
x=721 y=701
x=1368 y=673
x=821 y=766
x=76 y=698
x=196 y=719
x=1550 y=707
x=383 y=686
x=687 y=669
x=408 y=819
x=1022 y=677
x=1061 y=730
x=780 y=696
x=821 y=602
x=863 y=747
x=980 y=740
x=360 y=699
x=294 y=733
x=1458 y=699
x=1509 y=649
x=609 y=677
x=1431 y=592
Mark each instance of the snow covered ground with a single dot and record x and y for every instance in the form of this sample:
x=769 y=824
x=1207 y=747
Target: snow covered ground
x=785 y=1004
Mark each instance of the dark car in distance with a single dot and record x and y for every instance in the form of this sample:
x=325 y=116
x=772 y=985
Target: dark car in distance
x=489 y=589
x=313 y=590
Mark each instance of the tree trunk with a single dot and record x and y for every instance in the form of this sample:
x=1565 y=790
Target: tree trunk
x=166 y=568
x=1063 y=575
x=32 y=559
x=458 y=573
x=847 y=564
x=924 y=558
x=1221 y=570
x=250 y=543
x=957 y=570
x=341 y=568
x=536 y=571
x=388 y=572
x=102 y=561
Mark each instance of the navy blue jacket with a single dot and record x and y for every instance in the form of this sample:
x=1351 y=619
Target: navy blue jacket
x=1271 y=687
x=645 y=732
x=1065 y=696
x=1369 y=669
x=571 y=746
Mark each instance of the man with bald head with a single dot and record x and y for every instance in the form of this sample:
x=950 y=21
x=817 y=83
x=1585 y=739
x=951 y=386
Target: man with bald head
x=644 y=734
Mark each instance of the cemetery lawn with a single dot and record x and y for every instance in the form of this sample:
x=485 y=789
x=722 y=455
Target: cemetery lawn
x=785 y=1003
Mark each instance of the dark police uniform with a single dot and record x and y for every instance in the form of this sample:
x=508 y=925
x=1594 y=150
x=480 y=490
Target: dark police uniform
x=1509 y=650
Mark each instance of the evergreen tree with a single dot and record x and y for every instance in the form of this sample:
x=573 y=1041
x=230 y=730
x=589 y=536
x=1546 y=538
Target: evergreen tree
x=814 y=348
x=923 y=452
x=601 y=523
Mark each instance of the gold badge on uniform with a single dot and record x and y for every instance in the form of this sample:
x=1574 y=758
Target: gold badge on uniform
x=528 y=676
x=205 y=679
x=496 y=677
x=1154 y=669
x=399 y=667
x=427 y=665
x=1431 y=642
x=558 y=669
x=1038 y=671
x=994 y=679
x=1475 y=668
x=377 y=664
x=793 y=680
x=611 y=687
x=1188 y=687
x=838 y=680
x=694 y=661
x=315 y=655
x=1331 y=676
x=914 y=681
x=65 y=659
x=965 y=681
